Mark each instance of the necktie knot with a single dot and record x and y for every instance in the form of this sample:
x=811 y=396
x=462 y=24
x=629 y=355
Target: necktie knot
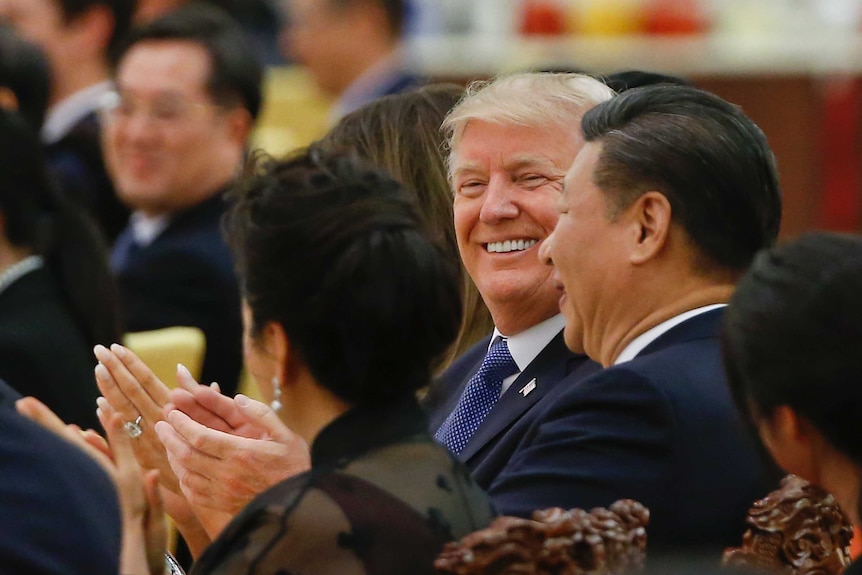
x=480 y=395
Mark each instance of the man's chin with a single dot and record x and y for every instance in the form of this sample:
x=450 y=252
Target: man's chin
x=574 y=339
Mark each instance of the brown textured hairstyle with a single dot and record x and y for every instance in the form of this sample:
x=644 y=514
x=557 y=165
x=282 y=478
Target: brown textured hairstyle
x=401 y=135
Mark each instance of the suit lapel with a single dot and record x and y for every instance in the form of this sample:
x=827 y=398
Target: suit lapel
x=549 y=368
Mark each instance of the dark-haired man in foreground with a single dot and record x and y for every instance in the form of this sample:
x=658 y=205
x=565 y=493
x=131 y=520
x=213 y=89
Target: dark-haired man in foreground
x=672 y=195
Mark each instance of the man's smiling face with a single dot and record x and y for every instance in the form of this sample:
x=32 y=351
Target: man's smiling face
x=507 y=180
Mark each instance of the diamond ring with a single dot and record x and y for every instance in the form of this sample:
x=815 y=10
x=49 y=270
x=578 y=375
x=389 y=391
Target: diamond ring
x=133 y=428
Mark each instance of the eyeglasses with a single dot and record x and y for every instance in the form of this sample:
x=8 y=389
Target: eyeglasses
x=163 y=111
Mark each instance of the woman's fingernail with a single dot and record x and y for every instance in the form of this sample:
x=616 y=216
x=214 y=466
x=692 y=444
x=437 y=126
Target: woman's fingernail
x=102 y=372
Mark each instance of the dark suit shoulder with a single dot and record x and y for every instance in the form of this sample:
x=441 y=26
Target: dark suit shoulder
x=662 y=429
x=43 y=351
x=60 y=510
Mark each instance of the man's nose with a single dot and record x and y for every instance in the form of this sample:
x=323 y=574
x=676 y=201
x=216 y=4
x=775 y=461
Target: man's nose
x=545 y=250
x=500 y=202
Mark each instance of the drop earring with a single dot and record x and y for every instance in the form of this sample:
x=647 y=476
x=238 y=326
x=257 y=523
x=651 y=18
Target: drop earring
x=275 y=404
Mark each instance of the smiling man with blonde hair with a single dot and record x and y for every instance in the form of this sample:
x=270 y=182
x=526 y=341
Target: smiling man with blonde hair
x=511 y=141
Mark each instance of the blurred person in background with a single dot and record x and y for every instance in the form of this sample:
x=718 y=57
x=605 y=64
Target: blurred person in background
x=792 y=335
x=77 y=36
x=188 y=90
x=259 y=18
x=25 y=77
x=57 y=296
x=350 y=48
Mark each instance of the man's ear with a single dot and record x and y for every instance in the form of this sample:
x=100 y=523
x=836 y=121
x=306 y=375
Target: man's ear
x=239 y=124
x=650 y=217
x=789 y=439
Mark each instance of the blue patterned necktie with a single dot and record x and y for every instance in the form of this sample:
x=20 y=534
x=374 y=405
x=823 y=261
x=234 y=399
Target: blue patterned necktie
x=480 y=395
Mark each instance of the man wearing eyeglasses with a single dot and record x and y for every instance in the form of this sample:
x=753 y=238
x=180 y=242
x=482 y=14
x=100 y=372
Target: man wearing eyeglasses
x=188 y=89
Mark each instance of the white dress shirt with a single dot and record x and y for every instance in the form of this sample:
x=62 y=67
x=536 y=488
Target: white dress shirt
x=527 y=345
x=64 y=115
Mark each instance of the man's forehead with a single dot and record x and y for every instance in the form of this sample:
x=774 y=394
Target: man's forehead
x=583 y=164
x=180 y=65
x=514 y=161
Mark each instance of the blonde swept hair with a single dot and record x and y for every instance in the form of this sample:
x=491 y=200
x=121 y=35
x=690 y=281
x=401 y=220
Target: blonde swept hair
x=530 y=99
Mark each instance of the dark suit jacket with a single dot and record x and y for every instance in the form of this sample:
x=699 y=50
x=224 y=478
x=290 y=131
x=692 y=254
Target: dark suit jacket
x=77 y=164
x=493 y=444
x=395 y=83
x=60 y=513
x=661 y=429
x=186 y=277
x=43 y=351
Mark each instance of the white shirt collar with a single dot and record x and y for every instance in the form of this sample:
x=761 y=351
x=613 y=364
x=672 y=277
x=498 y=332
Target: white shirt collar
x=527 y=345
x=365 y=87
x=639 y=343
x=63 y=115
x=146 y=229
x=14 y=272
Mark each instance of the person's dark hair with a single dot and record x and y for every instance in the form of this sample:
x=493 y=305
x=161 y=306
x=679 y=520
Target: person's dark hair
x=24 y=70
x=337 y=255
x=395 y=11
x=628 y=79
x=792 y=336
x=709 y=159
x=121 y=10
x=400 y=134
x=39 y=219
x=236 y=75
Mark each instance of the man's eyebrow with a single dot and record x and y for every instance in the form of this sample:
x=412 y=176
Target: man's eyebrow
x=532 y=161
x=466 y=168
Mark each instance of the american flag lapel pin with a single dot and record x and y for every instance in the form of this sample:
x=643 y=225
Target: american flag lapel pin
x=528 y=388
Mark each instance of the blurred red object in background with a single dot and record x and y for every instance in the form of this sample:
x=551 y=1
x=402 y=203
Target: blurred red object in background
x=543 y=17
x=675 y=17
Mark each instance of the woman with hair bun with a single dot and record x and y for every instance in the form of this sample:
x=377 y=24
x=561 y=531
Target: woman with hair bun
x=347 y=303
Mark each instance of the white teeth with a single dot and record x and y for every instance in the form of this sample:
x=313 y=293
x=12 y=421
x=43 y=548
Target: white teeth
x=510 y=246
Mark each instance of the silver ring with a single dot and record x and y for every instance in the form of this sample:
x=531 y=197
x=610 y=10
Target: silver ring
x=133 y=428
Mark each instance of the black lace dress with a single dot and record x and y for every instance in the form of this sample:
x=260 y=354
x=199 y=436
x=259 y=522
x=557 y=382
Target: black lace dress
x=381 y=498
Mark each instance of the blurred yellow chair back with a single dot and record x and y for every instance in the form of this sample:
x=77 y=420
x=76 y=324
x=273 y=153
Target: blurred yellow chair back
x=248 y=386
x=162 y=349
x=294 y=112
